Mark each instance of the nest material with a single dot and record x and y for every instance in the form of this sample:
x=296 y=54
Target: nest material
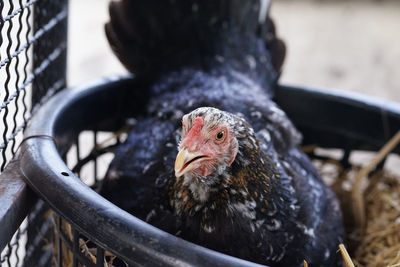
x=380 y=246
x=371 y=209
x=377 y=244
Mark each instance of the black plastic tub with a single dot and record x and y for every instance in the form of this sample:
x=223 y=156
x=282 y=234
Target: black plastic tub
x=325 y=118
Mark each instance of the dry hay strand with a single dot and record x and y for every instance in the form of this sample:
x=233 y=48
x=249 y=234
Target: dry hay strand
x=346 y=257
x=357 y=193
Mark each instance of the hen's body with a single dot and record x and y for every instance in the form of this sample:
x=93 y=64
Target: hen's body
x=270 y=206
x=286 y=211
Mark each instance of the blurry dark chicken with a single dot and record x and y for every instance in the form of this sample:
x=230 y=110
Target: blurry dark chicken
x=238 y=184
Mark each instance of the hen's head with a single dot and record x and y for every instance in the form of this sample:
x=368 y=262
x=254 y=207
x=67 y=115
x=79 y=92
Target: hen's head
x=209 y=143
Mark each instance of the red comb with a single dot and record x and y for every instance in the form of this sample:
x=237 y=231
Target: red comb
x=196 y=127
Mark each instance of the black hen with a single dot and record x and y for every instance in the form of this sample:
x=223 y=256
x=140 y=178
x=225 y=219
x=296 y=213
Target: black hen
x=240 y=184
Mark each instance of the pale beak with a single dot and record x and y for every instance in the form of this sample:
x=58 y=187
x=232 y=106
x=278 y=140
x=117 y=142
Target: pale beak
x=184 y=161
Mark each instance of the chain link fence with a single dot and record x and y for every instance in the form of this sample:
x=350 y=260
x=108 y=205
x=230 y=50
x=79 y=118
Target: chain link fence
x=33 y=42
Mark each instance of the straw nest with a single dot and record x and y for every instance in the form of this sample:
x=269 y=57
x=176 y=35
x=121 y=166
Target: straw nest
x=370 y=202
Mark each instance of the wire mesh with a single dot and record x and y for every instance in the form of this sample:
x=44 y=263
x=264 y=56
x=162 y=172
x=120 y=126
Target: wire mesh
x=32 y=68
x=32 y=65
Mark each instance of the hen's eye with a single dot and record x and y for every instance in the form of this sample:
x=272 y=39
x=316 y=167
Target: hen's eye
x=220 y=136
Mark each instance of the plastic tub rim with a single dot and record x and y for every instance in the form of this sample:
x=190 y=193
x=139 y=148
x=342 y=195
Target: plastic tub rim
x=43 y=167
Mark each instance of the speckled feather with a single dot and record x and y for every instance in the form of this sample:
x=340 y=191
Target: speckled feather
x=270 y=206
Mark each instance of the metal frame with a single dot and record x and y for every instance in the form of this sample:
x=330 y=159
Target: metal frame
x=16 y=200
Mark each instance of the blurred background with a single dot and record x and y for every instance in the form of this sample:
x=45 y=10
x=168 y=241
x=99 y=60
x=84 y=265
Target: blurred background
x=351 y=45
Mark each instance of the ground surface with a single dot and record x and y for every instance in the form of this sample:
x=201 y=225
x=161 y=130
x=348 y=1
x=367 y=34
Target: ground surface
x=349 y=45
